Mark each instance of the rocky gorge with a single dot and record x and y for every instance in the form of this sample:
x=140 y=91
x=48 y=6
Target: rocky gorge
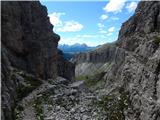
x=28 y=44
x=117 y=81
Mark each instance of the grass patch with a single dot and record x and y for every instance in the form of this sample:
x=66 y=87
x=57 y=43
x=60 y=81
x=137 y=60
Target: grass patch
x=23 y=92
x=92 y=80
x=38 y=105
x=17 y=112
x=26 y=83
x=26 y=86
x=39 y=109
x=81 y=77
x=30 y=80
x=114 y=105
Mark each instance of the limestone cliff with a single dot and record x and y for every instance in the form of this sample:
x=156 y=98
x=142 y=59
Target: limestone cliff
x=28 y=44
x=132 y=62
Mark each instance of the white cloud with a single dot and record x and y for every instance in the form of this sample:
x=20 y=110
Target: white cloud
x=101 y=28
x=103 y=17
x=64 y=26
x=114 y=6
x=103 y=31
x=97 y=39
x=55 y=18
x=111 y=29
x=109 y=34
x=91 y=36
x=86 y=36
x=70 y=26
x=100 y=25
x=131 y=7
x=114 y=18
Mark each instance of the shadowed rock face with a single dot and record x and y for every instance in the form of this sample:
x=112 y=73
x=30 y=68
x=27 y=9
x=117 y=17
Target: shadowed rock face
x=29 y=44
x=132 y=62
x=28 y=38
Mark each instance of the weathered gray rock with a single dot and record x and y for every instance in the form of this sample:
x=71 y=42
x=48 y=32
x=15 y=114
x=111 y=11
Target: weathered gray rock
x=31 y=45
x=136 y=65
x=28 y=44
x=77 y=84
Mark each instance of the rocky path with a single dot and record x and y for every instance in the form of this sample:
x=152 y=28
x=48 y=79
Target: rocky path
x=33 y=95
x=29 y=113
x=60 y=101
x=73 y=102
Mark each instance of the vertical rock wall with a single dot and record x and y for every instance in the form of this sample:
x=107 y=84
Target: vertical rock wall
x=28 y=44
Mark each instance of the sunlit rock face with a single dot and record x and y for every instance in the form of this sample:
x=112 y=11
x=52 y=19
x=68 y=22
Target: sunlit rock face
x=132 y=62
x=29 y=44
x=28 y=38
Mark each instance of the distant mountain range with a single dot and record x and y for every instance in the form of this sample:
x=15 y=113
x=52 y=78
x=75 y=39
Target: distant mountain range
x=70 y=50
x=75 y=48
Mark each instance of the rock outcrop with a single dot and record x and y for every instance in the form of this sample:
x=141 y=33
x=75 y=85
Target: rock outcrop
x=94 y=62
x=132 y=62
x=28 y=44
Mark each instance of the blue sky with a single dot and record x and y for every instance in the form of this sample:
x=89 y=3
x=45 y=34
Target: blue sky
x=90 y=22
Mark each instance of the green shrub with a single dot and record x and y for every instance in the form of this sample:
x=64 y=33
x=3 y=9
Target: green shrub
x=39 y=109
x=38 y=105
x=30 y=80
x=23 y=90
x=92 y=80
x=17 y=112
x=114 y=106
x=157 y=40
x=81 y=78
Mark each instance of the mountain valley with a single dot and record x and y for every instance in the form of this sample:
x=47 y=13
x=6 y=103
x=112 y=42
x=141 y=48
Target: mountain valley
x=115 y=81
